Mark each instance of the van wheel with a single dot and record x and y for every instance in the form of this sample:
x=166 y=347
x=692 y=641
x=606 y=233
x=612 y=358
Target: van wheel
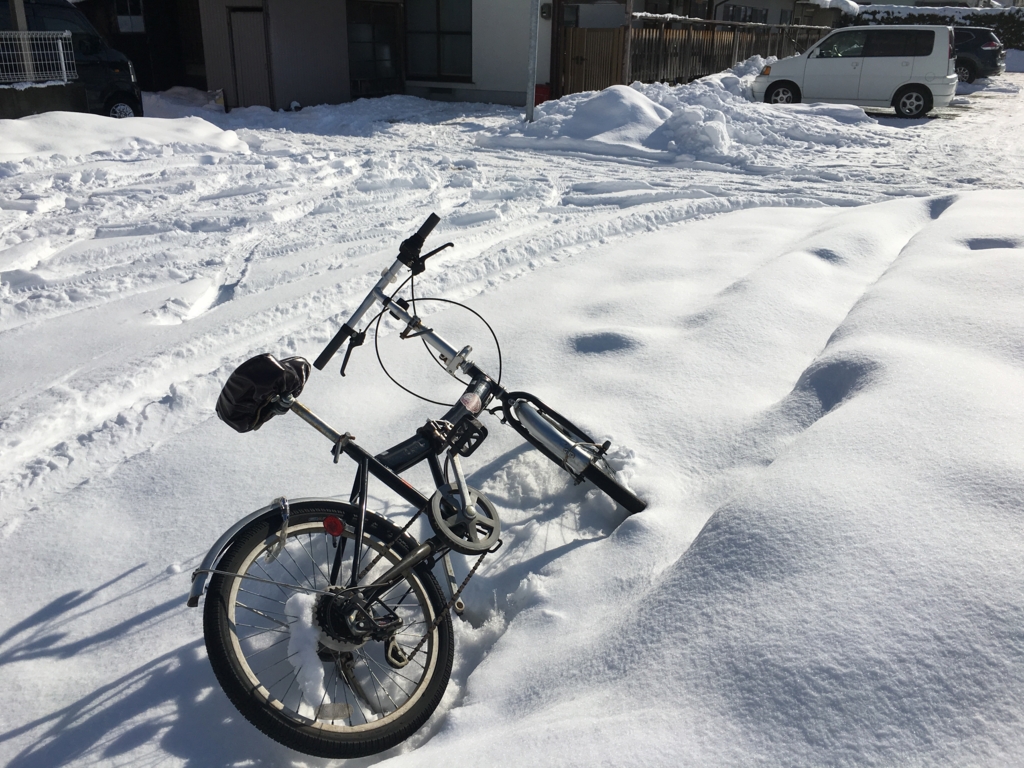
x=782 y=93
x=966 y=72
x=120 y=106
x=914 y=101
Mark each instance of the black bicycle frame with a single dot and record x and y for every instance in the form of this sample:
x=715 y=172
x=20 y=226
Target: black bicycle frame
x=387 y=465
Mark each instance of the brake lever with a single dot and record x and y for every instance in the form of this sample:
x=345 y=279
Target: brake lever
x=353 y=342
x=420 y=263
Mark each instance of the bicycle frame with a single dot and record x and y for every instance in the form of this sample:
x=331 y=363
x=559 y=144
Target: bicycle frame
x=385 y=466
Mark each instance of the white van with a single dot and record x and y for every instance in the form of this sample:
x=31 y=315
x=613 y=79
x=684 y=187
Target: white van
x=911 y=68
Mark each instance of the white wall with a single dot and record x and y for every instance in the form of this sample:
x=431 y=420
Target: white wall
x=501 y=44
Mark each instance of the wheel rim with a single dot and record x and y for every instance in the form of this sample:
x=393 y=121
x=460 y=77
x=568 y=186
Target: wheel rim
x=963 y=74
x=122 y=110
x=912 y=103
x=358 y=690
x=782 y=96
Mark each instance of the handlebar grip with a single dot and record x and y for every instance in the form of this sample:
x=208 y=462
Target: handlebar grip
x=335 y=344
x=428 y=226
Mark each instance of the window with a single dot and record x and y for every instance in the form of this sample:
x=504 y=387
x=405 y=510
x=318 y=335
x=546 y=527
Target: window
x=841 y=45
x=745 y=13
x=129 y=16
x=899 y=42
x=785 y=16
x=439 y=39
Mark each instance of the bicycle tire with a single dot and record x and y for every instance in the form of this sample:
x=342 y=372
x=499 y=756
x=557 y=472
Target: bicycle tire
x=244 y=619
x=607 y=483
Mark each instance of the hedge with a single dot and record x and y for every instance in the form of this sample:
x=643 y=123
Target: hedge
x=1007 y=23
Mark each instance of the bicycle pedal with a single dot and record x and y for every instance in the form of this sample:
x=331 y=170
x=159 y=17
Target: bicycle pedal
x=394 y=655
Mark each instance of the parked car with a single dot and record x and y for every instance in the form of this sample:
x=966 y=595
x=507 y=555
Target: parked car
x=107 y=75
x=909 y=67
x=978 y=53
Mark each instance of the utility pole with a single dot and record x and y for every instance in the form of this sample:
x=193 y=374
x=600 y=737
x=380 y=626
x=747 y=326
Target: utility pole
x=18 y=16
x=531 y=68
x=20 y=24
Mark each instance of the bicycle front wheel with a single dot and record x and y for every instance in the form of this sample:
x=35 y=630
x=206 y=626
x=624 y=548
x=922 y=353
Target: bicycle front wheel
x=568 y=446
x=275 y=653
x=603 y=476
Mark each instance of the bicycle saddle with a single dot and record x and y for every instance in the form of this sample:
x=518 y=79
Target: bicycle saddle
x=249 y=396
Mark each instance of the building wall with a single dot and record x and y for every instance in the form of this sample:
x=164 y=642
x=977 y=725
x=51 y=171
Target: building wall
x=308 y=49
x=501 y=43
x=217 y=44
x=308 y=52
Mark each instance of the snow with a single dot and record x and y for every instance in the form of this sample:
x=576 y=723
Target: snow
x=69 y=133
x=848 y=7
x=710 y=120
x=802 y=330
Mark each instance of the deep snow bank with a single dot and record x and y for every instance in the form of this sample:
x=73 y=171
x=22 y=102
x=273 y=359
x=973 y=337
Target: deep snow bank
x=74 y=133
x=855 y=599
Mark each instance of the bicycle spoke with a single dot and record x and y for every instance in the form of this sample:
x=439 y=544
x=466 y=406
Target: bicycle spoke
x=274 y=581
x=297 y=565
x=263 y=597
x=377 y=682
x=309 y=554
x=272 y=645
x=264 y=615
x=393 y=673
x=271 y=666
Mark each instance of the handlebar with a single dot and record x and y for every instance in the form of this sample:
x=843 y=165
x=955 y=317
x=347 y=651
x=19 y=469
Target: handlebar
x=409 y=256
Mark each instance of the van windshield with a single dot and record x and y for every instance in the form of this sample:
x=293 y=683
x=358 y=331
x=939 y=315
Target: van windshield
x=52 y=18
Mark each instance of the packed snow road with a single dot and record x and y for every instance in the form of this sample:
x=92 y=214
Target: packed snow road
x=698 y=277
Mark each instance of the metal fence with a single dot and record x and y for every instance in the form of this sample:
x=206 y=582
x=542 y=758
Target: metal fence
x=593 y=59
x=36 y=57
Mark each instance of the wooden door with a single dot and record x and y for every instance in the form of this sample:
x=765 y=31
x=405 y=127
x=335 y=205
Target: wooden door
x=249 y=58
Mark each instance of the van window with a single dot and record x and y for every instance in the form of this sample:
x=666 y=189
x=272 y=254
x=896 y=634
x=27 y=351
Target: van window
x=842 y=45
x=899 y=42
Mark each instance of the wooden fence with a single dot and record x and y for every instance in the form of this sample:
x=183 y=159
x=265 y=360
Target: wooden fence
x=593 y=59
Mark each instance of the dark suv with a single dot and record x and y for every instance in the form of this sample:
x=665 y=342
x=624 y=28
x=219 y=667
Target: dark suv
x=978 y=53
x=107 y=75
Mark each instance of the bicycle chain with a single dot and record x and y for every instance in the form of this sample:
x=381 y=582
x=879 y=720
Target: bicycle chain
x=448 y=607
x=389 y=545
x=454 y=599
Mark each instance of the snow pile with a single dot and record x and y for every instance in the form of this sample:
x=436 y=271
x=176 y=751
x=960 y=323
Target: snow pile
x=1014 y=60
x=362 y=117
x=848 y=7
x=712 y=119
x=957 y=12
x=74 y=133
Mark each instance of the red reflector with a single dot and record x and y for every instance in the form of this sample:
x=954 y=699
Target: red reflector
x=334 y=526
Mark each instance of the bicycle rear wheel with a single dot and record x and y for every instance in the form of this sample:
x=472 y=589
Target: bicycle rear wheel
x=291 y=677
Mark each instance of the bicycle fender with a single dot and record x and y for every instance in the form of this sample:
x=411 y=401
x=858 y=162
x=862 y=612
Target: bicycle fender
x=217 y=551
